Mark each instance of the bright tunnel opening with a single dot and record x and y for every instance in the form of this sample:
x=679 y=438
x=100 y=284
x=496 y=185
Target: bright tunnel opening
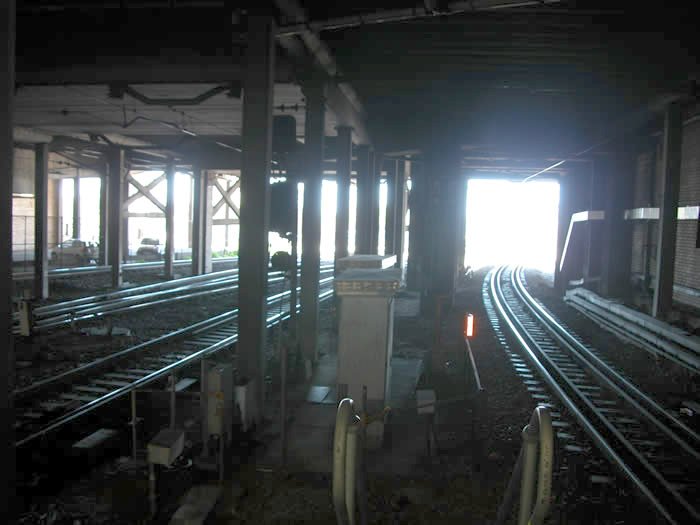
x=511 y=222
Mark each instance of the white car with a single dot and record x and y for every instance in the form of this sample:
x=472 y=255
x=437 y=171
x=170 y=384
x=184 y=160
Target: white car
x=150 y=249
x=73 y=252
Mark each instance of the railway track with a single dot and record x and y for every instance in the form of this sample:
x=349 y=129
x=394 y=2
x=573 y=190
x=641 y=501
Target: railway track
x=655 y=451
x=48 y=405
x=134 y=299
x=78 y=271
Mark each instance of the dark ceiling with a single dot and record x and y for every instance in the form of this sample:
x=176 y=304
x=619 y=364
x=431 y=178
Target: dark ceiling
x=532 y=78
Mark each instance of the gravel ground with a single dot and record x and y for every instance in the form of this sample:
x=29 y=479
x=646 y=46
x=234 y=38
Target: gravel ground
x=44 y=355
x=462 y=483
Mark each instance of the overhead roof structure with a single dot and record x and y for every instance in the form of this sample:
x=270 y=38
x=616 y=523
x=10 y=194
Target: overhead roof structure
x=529 y=77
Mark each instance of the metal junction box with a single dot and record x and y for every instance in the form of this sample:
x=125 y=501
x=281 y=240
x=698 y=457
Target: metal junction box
x=220 y=400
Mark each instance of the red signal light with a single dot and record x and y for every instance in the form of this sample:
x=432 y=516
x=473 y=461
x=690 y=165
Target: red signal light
x=468 y=326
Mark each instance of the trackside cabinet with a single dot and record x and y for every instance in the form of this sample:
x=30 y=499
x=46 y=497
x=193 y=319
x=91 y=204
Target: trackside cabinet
x=365 y=339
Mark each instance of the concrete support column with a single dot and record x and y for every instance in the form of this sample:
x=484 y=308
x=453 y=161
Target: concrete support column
x=417 y=199
x=363 y=223
x=169 y=255
x=76 y=204
x=391 y=207
x=668 y=214
x=311 y=221
x=565 y=212
x=41 y=221
x=573 y=197
x=378 y=159
x=343 y=170
x=591 y=254
x=616 y=234
x=104 y=183
x=7 y=364
x=444 y=202
x=461 y=224
x=117 y=169
x=258 y=84
x=400 y=200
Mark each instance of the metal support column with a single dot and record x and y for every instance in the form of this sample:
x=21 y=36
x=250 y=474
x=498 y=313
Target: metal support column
x=76 y=204
x=104 y=182
x=417 y=199
x=311 y=221
x=668 y=214
x=208 y=218
x=41 y=220
x=401 y=200
x=364 y=200
x=7 y=365
x=169 y=255
x=199 y=182
x=378 y=159
x=125 y=217
x=444 y=200
x=258 y=84
x=391 y=207
x=343 y=170
x=114 y=207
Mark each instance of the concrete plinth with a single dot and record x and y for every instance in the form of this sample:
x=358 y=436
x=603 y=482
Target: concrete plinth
x=365 y=339
x=366 y=262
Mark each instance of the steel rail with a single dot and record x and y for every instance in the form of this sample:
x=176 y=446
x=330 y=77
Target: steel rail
x=170 y=368
x=131 y=300
x=99 y=308
x=171 y=336
x=528 y=344
x=98 y=363
x=608 y=376
x=626 y=443
x=137 y=303
x=174 y=283
x=56 y=273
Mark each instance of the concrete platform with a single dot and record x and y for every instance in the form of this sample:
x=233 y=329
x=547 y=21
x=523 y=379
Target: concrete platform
x=310 y=432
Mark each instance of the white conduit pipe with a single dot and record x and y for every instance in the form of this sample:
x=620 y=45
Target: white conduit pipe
x=348 y=470
x=538 y=430
x=533 y=474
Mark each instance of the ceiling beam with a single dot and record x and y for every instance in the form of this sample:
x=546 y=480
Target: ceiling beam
x=341 y=98
x=205 y=72
x=301 y=24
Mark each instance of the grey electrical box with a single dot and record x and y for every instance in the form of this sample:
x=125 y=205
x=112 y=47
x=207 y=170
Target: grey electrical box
x=220 y=400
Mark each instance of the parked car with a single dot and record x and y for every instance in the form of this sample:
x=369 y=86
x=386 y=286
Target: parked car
x=150 y=249
x=74 y=252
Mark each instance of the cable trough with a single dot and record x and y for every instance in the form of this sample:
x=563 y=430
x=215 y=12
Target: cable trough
x=50 y=404
x=653 y=449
